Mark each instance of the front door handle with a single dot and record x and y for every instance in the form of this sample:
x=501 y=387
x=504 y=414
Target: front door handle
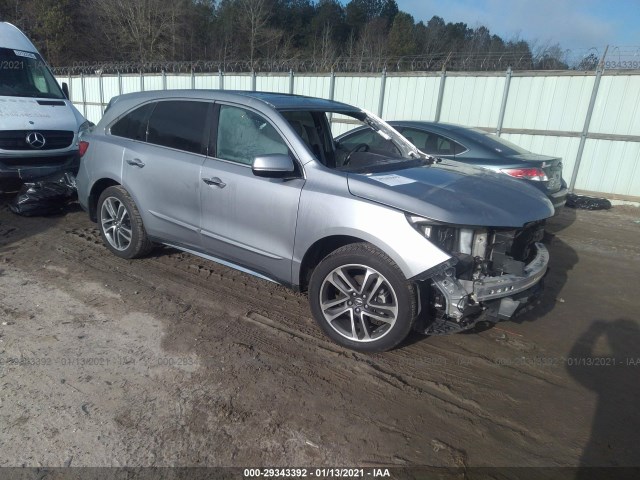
x=136 y=162
x=214 y=181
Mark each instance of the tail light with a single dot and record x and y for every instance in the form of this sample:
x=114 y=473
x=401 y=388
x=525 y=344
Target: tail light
x=82 y=147
x=527 y=173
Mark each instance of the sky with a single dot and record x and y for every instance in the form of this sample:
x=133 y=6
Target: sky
x=577 y=25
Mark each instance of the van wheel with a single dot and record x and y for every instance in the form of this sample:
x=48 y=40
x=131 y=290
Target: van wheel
x=120 y=224
x=361 y=299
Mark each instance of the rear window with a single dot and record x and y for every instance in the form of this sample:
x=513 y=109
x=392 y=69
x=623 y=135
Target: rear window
x=495 y=143
x=180 y=125
x=134 y=124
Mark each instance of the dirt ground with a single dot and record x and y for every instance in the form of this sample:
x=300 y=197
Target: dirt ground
x=175 y=361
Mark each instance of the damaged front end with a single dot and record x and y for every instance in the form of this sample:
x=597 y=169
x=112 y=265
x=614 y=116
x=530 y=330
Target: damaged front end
x=493 y=272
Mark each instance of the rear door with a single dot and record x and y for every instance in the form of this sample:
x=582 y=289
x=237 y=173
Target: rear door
x=248 y=220
x=163 y=173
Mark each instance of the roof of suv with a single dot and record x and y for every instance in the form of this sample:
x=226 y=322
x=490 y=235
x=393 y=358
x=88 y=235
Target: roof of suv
x=279 y=101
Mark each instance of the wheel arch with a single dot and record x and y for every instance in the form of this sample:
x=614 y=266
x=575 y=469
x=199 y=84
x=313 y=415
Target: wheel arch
x=96 y=190
x=319 y=250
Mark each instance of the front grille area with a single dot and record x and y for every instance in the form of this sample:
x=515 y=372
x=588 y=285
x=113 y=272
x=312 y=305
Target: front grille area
x=17 y=139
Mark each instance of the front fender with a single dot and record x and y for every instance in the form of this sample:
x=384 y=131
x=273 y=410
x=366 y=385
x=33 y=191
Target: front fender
x=324 y=215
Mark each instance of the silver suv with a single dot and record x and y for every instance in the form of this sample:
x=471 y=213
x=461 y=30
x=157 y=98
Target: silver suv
x=382 y=242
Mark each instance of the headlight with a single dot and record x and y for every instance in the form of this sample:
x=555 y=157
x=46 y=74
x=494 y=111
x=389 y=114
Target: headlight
x=422 y=225
x=442 y=235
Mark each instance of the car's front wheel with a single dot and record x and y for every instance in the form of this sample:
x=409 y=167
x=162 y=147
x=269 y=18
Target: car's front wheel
x=361 y=299
x=120 y=224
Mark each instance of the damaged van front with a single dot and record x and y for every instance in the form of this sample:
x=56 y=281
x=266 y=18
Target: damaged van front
x=39 y=126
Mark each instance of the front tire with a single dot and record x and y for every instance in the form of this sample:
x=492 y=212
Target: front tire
x=120 y=224
x=361 y=299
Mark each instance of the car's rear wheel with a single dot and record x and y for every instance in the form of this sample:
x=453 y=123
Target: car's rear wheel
x=120 y=224
x=361 y=299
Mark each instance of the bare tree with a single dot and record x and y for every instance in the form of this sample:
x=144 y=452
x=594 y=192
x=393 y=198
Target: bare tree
x=140 y=25
x=327 y=47
x=256 y=15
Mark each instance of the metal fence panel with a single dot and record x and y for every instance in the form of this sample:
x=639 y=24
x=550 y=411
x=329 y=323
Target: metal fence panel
x=358 y=90
x=174 y=81
x=472 y=100
x=130 y=83
x=313 y=86
x=110 y=87
x=272 y=83
x=548 y=102
x=411 y=98
x=237 y=82
x=207 y=81
x=611 y=167
x=617 y=109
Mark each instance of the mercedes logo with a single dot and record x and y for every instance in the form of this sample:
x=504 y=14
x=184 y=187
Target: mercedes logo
x=36 y=140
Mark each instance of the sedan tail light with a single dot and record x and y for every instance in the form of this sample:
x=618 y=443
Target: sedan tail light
x=82 y=147
x=526 y=173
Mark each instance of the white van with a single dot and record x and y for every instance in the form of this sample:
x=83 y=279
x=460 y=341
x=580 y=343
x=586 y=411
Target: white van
x=39 y=126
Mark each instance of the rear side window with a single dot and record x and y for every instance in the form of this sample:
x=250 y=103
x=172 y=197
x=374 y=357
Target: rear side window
x=179 y=124
x=134 y=124
x=432 y=143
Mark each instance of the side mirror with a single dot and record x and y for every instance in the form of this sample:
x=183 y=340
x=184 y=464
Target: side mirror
x=65 y=90
x=273 y=165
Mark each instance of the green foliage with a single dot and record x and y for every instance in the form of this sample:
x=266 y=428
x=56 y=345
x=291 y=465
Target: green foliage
x=402 y=36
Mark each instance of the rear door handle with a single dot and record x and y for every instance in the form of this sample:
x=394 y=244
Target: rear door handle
x=214 y=181
x=136 y=162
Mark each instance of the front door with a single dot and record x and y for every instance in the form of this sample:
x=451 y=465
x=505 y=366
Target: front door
x=248 y=220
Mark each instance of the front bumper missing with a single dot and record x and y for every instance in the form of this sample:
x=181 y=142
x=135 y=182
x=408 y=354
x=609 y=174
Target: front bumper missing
x=464 y=297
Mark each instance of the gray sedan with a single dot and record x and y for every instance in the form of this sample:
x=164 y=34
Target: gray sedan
x=383 y=244
x=475 y=147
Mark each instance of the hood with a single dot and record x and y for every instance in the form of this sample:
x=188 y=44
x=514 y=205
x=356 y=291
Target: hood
x=455 y=193
x=21 y=113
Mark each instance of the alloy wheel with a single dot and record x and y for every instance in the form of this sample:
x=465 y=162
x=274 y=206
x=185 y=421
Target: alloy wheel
x=358 y=302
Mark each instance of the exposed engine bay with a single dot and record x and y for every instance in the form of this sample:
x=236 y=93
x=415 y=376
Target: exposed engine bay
x=493 y=272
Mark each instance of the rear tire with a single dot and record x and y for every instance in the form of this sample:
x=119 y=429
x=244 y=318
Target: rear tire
x=120 y=224
x=361 y=299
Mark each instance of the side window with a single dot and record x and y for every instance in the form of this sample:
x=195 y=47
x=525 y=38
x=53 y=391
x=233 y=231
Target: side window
x=416 y=137
x=243 y=135
x=179 y=124
x=134 y=124
x=432 y=143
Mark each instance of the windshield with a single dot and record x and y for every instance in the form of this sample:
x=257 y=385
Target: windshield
x=25 y=74
x=383 y=146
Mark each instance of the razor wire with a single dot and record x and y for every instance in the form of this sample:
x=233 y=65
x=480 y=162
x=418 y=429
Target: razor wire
x=586 y=59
